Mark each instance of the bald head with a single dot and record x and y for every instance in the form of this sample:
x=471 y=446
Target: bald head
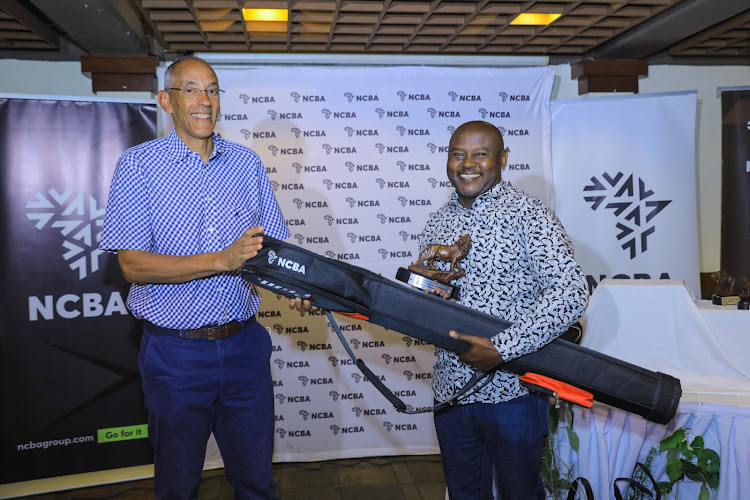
x=479 y=126
x=476 y=158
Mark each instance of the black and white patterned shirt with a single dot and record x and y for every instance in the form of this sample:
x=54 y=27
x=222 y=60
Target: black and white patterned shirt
x=520 y=268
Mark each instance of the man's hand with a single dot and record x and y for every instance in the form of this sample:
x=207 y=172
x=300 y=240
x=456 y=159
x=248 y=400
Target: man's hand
x=482 y=354
x=301 y=305
x=243 y=248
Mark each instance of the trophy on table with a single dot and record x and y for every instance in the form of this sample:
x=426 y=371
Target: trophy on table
x=725 y=294
x=744 y=293
x=424 y=275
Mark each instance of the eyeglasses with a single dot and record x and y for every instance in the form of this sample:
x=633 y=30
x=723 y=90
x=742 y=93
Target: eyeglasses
x=195 y=92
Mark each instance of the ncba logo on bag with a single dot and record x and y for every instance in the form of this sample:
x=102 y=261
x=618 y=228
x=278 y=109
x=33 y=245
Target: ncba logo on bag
x=273 y=257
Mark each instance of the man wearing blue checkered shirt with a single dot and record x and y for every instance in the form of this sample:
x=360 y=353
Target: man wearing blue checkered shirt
x=182 y=214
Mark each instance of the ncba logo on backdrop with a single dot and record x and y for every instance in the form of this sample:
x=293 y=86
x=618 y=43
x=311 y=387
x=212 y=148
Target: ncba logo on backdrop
x=392 y=184
x=362 y=167
x=262 y=134
x=398 y=219
x=78 y=218
x=287 y=186
x=284 y=115
x=633 y=212
x=340 y=220
x=443 y=113
x=310 y=204
x=368 y=411
x=413 y=202
x=308 y=168
x=307 y=133
x=464 y=97
x=391 y=113
x=382 y=148
x=439 y=149
x=493 y=114
x=399 y=427
x=307 y=97
x=436 y=183
x=339 y=149
x=391 y=254
x=231 y=117
x=360 y=97
x=412 y=97
x=514 y=97
x=362 y=203
x=257 y=99
x=338 y=114
x=293 y=433
x=362 y=132
x=339 y=185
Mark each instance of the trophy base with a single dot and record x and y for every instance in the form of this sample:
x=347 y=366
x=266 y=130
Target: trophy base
x=743 y=304
x=424 y=283
x=725 y=300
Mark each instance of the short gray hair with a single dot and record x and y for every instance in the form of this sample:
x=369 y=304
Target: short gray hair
x=169 y=75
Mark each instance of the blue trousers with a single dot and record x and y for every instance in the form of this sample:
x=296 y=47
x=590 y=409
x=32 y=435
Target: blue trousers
x=193 y=387
x=507 y=437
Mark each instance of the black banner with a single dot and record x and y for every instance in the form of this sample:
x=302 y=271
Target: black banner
x=70 y=389
x=735 y=182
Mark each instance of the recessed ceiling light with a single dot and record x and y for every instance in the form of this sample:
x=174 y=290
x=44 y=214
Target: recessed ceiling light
x=265 y=14
x=532 y=19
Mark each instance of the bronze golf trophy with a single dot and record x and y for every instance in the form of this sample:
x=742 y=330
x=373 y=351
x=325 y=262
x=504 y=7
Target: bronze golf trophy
x=725 y=293
x=424 y=275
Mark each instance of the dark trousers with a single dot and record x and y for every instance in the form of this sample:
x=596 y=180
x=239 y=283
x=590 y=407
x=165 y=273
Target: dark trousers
x=194 y=387
x=508 y=437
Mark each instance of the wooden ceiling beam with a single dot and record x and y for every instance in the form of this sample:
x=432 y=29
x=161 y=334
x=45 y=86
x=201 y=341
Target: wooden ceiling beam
x=608 y=76
x=123 y=74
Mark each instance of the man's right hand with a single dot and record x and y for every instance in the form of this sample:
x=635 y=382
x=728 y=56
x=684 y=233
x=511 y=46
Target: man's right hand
x=243 y=248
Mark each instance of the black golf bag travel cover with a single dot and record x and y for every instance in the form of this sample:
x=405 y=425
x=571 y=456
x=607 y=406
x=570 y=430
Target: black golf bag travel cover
x=332 y=285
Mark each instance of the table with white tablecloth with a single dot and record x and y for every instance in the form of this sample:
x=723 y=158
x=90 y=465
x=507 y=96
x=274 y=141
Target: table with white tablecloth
x=658 y=325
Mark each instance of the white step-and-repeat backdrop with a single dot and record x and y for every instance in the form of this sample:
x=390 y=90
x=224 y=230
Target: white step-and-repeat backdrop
x=356 y=157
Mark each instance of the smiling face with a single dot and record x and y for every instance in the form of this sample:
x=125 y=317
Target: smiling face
x=476 y=159
x=194 y=117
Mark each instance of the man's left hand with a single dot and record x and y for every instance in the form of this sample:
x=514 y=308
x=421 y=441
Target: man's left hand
x=482 y=354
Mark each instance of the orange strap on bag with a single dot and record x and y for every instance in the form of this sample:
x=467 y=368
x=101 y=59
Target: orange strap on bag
x=559 y=389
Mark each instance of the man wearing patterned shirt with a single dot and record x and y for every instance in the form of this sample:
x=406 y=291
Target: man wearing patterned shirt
x=182 y=214
x=520 y=268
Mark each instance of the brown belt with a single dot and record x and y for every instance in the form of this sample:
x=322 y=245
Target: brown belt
x=206 y=332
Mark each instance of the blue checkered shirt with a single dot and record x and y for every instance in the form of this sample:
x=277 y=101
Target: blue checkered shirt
x=164 y=199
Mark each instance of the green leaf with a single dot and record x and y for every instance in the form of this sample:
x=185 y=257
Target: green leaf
x=674 y=470
x=569 y=414
x=546 y=459
x=686 y=450
x=573 y=439
x=673 y=440
x=664 y=487
x=697 y=442
x=712 y=479
x=704 y=494
x=709 y=460
x=554 y=418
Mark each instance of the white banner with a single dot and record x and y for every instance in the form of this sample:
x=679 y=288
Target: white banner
x=624 y=179
x=356 y=157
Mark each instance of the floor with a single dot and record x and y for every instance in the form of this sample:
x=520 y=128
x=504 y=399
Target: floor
x=418 y=477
